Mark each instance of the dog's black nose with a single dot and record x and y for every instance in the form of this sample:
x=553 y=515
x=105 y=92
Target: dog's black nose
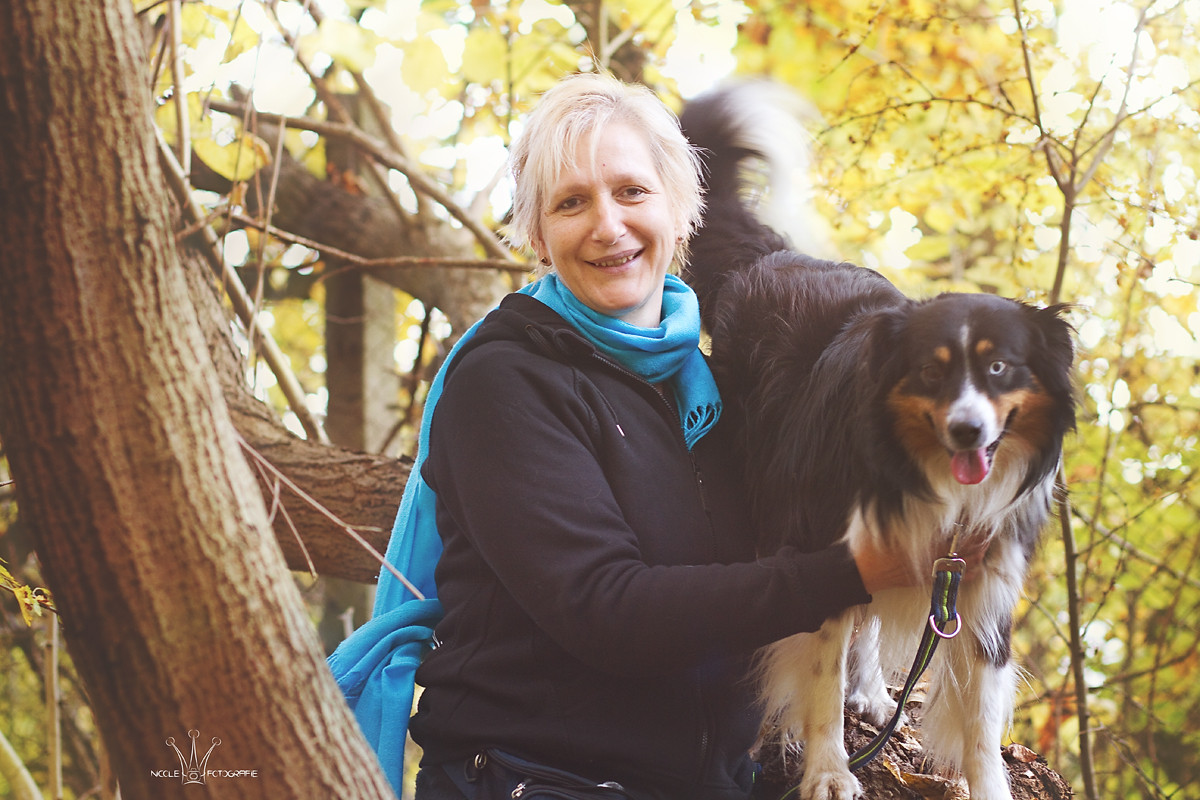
x=966 y=435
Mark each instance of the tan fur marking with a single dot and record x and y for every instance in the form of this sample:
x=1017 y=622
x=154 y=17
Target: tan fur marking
x=1031 y=421
x=912 y=415
x=942 y=354
x=983 y=347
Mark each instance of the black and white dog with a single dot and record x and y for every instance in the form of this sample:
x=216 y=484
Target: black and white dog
x=867 y=415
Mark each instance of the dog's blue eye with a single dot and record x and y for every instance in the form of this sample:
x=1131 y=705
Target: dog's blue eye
x=998 y=367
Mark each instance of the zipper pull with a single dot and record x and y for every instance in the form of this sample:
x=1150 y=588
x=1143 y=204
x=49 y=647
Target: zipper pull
x=520 y=790
x=700 y=483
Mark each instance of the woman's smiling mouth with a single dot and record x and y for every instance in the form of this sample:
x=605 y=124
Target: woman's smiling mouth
x=619 y=260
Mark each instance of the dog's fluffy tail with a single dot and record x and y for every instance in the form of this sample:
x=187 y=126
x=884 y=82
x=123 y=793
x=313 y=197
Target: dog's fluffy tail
x=755 y=150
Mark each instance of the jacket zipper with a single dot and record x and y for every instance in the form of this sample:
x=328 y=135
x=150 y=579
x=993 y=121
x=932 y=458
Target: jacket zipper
x=705 y=735
x=541 y=340
x=665 y=401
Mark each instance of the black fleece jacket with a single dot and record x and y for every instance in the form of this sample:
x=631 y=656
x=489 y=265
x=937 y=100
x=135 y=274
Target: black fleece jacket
x=601 y=595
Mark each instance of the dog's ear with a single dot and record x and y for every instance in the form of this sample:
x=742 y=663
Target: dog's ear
x=884 y=349
x=1054 y=358
x=1058 y=332
x=1058 y=337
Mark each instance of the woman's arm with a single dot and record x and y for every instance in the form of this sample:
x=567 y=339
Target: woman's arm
x=515 y=461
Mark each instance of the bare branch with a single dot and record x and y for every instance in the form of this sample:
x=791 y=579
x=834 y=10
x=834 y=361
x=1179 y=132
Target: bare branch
x=355 y=262
x=307 y=498
x=392 y=160
x=1045 y=139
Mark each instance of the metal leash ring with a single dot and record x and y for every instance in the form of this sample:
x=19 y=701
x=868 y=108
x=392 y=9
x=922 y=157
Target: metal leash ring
x=943 y=634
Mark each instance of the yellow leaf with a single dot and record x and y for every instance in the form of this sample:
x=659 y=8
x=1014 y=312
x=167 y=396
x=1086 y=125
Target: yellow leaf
x=7 y=578
x=930 y=248
x=940 y=218
x=236 y=161
x=484 y=55
x=313 y=158
x=350 y=45
x=199 y=125
x=424 y=66
x=540 y=63
x=25 y=600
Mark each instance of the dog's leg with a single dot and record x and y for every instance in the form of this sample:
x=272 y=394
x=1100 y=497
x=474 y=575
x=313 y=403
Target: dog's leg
x=973 y=684
x=966 y=716
x=867 y=693
x=804 y=682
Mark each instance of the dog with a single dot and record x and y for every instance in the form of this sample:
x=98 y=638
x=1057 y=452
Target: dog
x=862 y=414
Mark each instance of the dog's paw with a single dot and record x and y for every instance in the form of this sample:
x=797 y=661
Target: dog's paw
x=996 y=789
x=876 y=709
x=837 y=784
x=1001 y=792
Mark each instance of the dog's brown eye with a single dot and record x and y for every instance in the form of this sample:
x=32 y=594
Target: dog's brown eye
x=931 y=373
x=997 y=368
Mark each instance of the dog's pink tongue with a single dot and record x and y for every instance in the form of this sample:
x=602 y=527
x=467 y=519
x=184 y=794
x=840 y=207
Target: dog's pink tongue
x=969 y=466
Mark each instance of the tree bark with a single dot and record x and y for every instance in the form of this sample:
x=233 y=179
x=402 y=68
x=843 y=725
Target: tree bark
x=176 y=605
x=342 y=488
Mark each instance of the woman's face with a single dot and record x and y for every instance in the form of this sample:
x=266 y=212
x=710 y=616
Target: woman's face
x=609 y=229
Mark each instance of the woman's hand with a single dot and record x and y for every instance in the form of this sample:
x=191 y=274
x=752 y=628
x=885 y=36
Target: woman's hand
x=890 y=568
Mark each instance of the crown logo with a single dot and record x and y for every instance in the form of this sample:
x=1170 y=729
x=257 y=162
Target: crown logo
x=191 y=768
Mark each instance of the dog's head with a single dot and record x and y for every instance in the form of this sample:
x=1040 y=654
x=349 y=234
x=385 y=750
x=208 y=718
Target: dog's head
x=975 y=382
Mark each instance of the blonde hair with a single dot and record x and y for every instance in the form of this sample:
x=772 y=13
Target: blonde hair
x=565 y=116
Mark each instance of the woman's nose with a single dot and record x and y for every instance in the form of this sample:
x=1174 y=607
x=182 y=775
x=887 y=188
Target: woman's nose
x=609 y=224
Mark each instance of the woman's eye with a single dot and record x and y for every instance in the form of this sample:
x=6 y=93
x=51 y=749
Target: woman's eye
x=634 y=192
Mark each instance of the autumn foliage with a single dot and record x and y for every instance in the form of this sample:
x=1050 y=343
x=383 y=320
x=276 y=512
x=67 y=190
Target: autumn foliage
x=1040 y=150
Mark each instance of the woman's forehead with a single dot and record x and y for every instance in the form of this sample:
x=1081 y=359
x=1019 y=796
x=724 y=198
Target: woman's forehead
x=615 y=151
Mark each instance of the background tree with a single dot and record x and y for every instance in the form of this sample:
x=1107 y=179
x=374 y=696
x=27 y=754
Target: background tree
x=177 y=607
x=1042 y=150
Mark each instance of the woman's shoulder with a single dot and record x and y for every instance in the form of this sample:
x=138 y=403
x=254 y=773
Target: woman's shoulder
x=519 y=330
x=521 y=337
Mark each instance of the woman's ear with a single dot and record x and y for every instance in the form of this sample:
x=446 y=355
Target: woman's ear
x=539 y=250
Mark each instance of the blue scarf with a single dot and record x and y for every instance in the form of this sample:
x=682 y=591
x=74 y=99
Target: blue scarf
x=375 y=666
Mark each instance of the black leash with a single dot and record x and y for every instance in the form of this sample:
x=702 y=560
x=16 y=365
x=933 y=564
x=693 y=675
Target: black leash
x=944 y=623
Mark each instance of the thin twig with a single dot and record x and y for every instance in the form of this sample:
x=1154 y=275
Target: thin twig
x=1070 y=556
x=183 y=139
x=416 y=176
x=306 y=497
x=336 y=110
x=276 y=360
x=277 y=163
x=355 y=262
x=54 y=711
x=378 y=112
x=277 y=507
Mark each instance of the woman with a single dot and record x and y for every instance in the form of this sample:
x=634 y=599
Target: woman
x=601 y=597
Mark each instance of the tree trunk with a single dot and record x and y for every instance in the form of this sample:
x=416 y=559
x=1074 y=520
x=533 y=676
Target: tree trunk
x=176 y=605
